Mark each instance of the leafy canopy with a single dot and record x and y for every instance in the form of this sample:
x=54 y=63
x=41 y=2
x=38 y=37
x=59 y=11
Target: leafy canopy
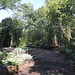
x=8 y=4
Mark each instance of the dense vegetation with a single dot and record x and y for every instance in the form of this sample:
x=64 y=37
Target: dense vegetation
x=14 y=58
x=50 y=25
x=9 y=4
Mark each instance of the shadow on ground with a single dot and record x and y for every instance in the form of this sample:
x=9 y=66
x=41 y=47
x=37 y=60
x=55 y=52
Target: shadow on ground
x=50 y=63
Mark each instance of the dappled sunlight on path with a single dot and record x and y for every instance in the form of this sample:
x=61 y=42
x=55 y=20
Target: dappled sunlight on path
x=51 y=63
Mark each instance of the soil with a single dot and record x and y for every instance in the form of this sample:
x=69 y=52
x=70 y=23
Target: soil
x=49 y=62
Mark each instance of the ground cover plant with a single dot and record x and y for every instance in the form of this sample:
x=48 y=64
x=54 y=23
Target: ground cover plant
x=70 y=50
x=13 y=58
x=26 y=48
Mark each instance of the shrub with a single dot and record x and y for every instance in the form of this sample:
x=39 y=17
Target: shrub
x=68 y=51
x=73 y=55
x=18 y=50
x=71 y=45
x=62 y=50
x=73 y=63
x=13 y=58
x=26 y=48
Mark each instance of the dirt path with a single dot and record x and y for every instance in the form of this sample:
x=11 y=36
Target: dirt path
x=49 y=63
x=9 y=49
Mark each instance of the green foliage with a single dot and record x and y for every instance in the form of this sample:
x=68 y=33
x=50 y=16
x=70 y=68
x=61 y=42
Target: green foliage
x=33 y=36
x=13 y=28
x=73 y=55
x=4 y=53
x=13 y=58
x=8 y=4
x=65 y=50
x=49 y=25
x=59 y=12
x=23 y=41
x=62 y=50
x=71 y=45
x=73 y=64
x=26 y=48
x=68 y=51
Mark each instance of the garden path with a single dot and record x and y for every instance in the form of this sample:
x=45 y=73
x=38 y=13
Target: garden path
x=49 y=63
x=9 y=49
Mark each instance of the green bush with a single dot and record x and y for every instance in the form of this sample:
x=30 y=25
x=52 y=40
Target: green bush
x=71 y=46
x=3 y=55
x=13 y=58
x=62 y=50
x=68 y=51
x=65 y=50
x=73 y=55
x=23 y=41
x=26 y=48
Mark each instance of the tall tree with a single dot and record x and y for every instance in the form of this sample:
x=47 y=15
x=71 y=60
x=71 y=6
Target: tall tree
x=11 y=30
x=60 y=13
